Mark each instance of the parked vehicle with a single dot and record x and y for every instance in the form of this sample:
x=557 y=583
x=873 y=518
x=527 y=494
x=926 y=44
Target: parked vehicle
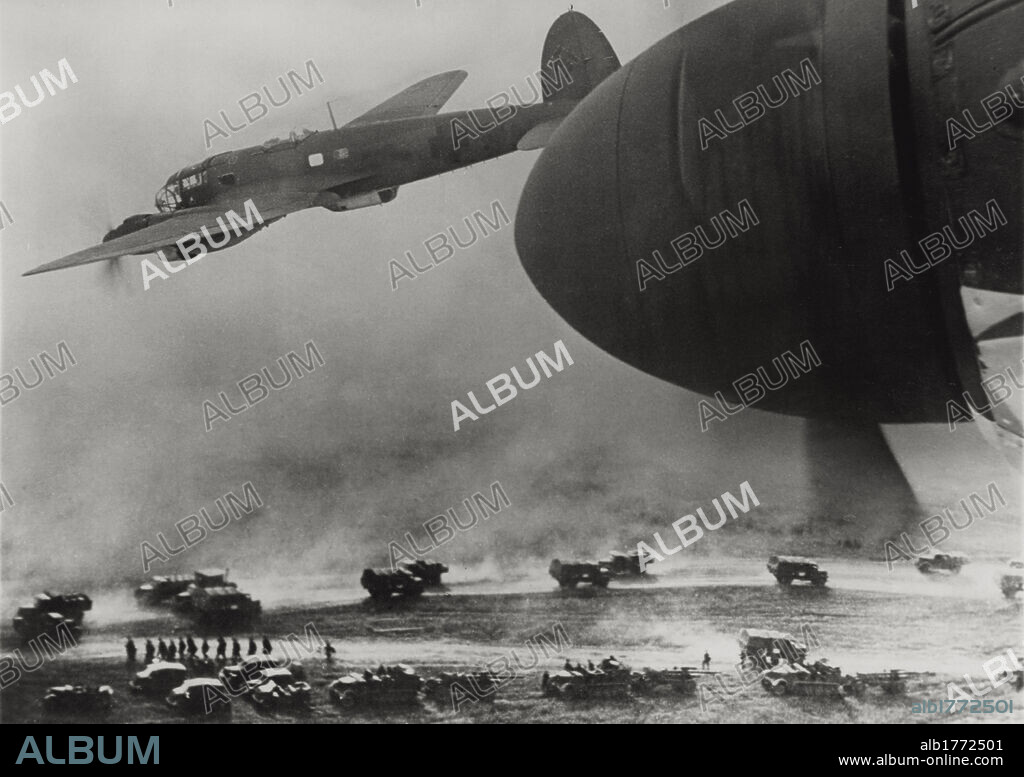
x=569 y=574
x=788 y=569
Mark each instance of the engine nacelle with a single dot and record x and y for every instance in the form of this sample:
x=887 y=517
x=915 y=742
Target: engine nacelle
x=134 y=224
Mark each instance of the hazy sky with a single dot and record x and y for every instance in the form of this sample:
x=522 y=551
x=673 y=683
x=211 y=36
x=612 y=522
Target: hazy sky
x=105 y=455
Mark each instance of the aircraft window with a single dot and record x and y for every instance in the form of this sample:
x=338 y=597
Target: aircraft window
x=315 y=160
x=228 y=179
x=341 y=153
x=193 y=181
x=168 y=199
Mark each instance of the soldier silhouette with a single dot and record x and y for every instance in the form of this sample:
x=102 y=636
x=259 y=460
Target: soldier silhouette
x=206 y=648
x=130 y=650
x=329 y=650
x=590 y=666
x=567 y=666
x=267 y=649
x=706 y=663
x=222 y=649
x=181 y=647
x=161 y=650
x=191 y=646
x=150 y=651
x=252 y=647
x=236 y=650
x=172 y=650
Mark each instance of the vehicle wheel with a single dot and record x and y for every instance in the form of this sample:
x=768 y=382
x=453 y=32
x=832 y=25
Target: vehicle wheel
x=818 y=582
x=784 y=580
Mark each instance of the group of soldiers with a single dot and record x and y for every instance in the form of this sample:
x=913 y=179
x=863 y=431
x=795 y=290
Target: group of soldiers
x=185 y=648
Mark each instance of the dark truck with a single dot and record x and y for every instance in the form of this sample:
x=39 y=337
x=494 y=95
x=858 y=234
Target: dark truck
x=30 y=623
x=623 y=564
x=49 y=612
x=386 y=583
x=786 y=569
x=570 y=573
x=1012 y=580
x=947 y=562
x=211 y=598
x=218 y=605
x=426 y=570
x=762 y=649
x=162 y=589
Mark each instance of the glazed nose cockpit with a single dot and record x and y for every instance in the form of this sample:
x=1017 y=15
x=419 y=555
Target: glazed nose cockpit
x=184 y=189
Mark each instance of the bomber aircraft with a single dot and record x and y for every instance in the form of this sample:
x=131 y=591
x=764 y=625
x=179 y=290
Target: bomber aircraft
x=360 y=164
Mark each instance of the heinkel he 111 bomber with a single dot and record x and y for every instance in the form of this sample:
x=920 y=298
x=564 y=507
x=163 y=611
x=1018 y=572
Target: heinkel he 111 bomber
x=360 y=164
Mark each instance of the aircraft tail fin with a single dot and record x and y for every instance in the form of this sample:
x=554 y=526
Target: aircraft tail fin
x=577 y=57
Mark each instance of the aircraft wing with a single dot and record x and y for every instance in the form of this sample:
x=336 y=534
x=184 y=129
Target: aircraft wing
x=426 y=98
x=271 y=205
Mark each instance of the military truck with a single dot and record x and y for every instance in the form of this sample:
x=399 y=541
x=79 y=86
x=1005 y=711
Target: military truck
x=817 y=679
x=387 y=583
x=387 y=686
x=936 y=561
x=1012 y=581
x=762 y=649
x=30 y=622
x=162 y=589
x=623 y=564
x=611 y=680
x=426 y=570
x=476 y=686
x=78 y=698
x=49 y=611
x=786 y=569
x=218 y=605
x=571 y=573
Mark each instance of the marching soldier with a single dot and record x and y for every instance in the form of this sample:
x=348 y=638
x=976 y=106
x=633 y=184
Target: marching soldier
x=206 y=648
x=181 y=647
x=130 y=650
x=161 y=650
x=191 y=646
x=222 y=649
x=267 y=649
x=150 y=651
x=329 y=650
x=172 y=650
x=252 y=647
x=236 y=650
x=706 y=663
